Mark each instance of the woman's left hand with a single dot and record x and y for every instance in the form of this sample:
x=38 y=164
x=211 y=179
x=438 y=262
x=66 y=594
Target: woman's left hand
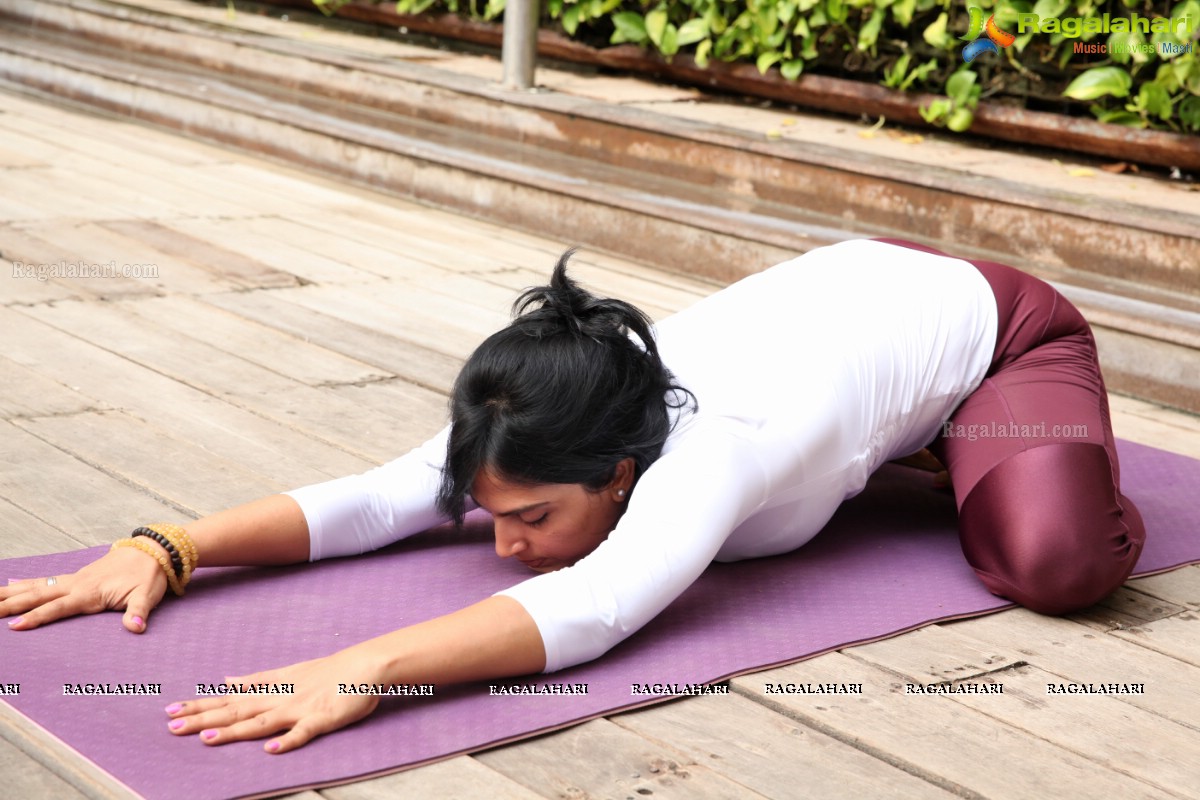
x=313 y=709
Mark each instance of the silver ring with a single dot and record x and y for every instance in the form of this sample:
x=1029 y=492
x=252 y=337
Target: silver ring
x=51 y=581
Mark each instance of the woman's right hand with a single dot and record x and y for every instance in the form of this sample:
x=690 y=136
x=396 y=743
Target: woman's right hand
x=123 y=579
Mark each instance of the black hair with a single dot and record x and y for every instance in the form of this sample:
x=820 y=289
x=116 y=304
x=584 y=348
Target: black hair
x=561 y=395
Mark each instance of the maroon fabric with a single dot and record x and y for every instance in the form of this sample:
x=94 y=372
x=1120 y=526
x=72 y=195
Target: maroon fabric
x=1033 y=460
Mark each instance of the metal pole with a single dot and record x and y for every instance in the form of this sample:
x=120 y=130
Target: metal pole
x=520 y=43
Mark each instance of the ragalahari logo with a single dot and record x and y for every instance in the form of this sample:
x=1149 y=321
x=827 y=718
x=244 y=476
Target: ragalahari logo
x=984 y=37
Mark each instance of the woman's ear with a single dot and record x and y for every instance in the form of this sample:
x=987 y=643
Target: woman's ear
x=622 y=482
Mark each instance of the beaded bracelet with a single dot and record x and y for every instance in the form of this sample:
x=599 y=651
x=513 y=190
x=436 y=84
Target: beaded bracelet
x=157 y=555
x=176 y=559
x=182 y=544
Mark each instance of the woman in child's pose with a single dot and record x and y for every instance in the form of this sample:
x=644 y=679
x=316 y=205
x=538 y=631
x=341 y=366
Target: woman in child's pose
x=621 y=459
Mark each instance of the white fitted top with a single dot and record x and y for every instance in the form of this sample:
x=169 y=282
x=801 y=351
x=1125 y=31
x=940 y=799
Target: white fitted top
x=808 y=375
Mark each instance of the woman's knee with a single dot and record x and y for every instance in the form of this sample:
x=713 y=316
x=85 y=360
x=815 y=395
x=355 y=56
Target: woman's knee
x=1050 y=530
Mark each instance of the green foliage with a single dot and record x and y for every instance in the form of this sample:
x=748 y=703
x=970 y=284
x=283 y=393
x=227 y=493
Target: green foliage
x=1145 y=78
x=956 y=110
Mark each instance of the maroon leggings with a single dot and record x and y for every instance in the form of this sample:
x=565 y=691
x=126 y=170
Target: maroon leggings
x=1032 y=458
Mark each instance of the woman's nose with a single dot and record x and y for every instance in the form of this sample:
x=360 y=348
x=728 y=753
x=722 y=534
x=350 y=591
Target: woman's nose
x=509 y=541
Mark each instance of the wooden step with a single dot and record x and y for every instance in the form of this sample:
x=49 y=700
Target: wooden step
x=680 y=194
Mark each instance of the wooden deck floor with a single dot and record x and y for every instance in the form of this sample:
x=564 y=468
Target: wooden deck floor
x=299 y=330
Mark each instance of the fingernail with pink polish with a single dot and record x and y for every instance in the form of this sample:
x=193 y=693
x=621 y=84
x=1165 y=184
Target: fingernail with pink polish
x=208 y=735
x=175 y=724
x=141 y=623
x=273 y=746
x=174 y=708
x=16 y=621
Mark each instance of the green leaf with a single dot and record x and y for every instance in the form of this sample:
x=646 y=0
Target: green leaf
x=767 y=60
x=670 y=40
x=935 y=34
x=702 y=51
x=785 y=10
x=902 y=11
x=1119 y=117
x=693 y=31
x=628 y=27
x=960 y=119
x=570 y=20
x=1189 y=113
x=960 y=86
x=1100 y=82
x=935 y=111
x=869 y=33
x=893 y=76
x=656 y=24
x=1050 y=8
x=809 y=53
x=792 y=69
x=1155 y=100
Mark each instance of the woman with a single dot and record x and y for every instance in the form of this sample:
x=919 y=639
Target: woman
x=620 y=461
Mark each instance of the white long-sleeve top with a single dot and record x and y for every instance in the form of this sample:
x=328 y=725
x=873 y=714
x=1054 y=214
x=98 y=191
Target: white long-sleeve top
x=808 y=376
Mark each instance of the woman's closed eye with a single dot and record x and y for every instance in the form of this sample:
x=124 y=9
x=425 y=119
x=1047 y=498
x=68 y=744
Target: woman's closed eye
x=533 y=523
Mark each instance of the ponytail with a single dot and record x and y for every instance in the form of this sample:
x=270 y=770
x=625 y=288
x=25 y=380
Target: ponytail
x=561 y=395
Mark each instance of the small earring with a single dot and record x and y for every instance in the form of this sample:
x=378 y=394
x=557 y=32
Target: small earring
x=621 y=493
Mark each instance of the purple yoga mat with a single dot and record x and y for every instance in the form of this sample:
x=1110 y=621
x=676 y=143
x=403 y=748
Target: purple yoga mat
x=888 y=562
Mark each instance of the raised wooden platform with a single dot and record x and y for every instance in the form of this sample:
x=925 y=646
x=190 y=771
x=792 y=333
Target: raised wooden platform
x=673 y=178
x=299 y=329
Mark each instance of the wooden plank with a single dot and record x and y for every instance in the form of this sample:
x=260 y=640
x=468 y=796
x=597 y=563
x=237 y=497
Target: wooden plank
x=15 y=126
x=1177 y=636
x=24 y=777
x=113 y=381
x=383 y=258
x=13 y=158
x=962 y=750
x=520 y=278
x=600 y=759
x=1181 y=586
x=30 y=393
x=84 y=258
x=181 y=474
x=1155 y=425
x=139 y=269
x=406 y=359
x=768 y=752
x=381 y=420
x=317 y=412
x=89 y=506
x=412 y=231
x=259 y=344
x=232 y=268
x=1074 y=652
x=1104 y=728
x=111 y=139
x=60 y=193
x=1125 y=608
x=23 y=278
x=26 y=535
x=444 y=336
x=40 y=748
x=243 y=237
x=291 y=191
x=461 y=778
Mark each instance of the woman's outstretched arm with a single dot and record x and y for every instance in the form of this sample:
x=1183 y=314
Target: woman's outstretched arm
x=267 y=531
x=494 y=638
